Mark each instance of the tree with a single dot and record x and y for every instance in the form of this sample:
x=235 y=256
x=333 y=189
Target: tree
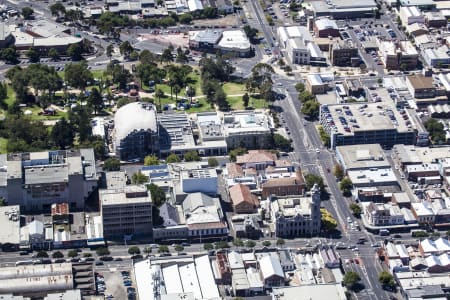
x=133 y=250
x=212 y=162
x=266 y=243
x=324 y=136
x=57 y=8
x=151 y=160
x=9 y=55
x=351 y=279
x=245 y=99
x=345 y=185
x=95 y=100
x=280 y=242
x=111 y=164
x=179 y=248
x=75 y=52
x=78 y=75
x=87 y=254
x=62 y=134
x=139 y=178
x=33 y=54
x=250 y=244
x=57 y=254
x=53 y=54
x=356 y=209
x=27 y=12
x=159 y=94
x=166 y=56
x=236 y=152
x=386 y=279
x=208 y=246
x=328 y=222
x=238 y=242
x=147 y=250
x=311 y=108
x=42 y=254
x=72 y=253
x=109 y=51
x=163 y=249
x=436 y=130
x=311 y=179
x=221 y=245
x=338 y=172
x=300 y=87
x=158 y=194
x=185 y=18
x=172 y=158
x=282 y=143
x=192 y=156
x=251 y=33
x=102 y=251
x=125 y=49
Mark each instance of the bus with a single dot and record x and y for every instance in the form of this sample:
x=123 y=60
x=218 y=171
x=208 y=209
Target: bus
x=24 y=262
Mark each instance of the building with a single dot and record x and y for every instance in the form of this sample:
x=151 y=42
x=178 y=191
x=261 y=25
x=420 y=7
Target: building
x=36 y=280
x=361 y=157
x=183 y=277
x=435 y=19
x=271 y=271
x=248 y=129
x=410 y=15
x=205 y=40
x=211 y=136
x=204 y=217
x=343 y=54
x=423 y=212
x=325 y=28
x=294 y=216
x=244 y=202
x=372 y=177
x=135 y=132
x=295 y=39
x=429 y=247
x=420 y=4
x=256 y=159
x=437 y=57
x=310 y=292
x=6 y=37
x=343 y=9
x=126 y=211
x=235 y=42
x=369 y=123
x=175 y=134
x=379 y=214
x=421 y=86
x=417 y=29
x=315 y=85
x=398 y=55
x=284 y=184
x=199 y=180
x=36 y=180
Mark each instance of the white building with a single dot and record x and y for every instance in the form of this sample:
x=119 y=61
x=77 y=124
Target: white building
x=295 y=40
x=379 y=214
x=199 y=180
x=437 y=57
x=410 y=15
x=235 y=41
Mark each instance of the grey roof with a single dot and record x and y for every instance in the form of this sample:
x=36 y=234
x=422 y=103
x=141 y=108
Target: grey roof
x=208 y=36
x=196 y=200
x=170 y=214
x=135 y=116
x=47 y=174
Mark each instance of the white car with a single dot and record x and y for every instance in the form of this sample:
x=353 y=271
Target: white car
x=349 y=219
x=317 y=150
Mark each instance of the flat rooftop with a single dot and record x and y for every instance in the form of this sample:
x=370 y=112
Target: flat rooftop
x=409 y=154
x=353 y=117
x=362 y=156
x=372 y=176
x=10 y=224
x=126 y=195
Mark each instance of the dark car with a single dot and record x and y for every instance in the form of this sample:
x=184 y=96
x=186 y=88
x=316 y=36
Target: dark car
x=99 y=263
x=106 y=258
x=137 y=256
x=118 y=259
x=24 y=253
x=59 y=261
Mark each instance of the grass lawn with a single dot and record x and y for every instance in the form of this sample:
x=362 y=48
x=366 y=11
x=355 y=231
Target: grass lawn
x=35 y=114
x=231 y=88
x=3 y=143
x=237 y=104
x=11 y=96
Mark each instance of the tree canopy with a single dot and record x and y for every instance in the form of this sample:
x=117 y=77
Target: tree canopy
x=151 y=160
x=111 y=164
x=158 y=195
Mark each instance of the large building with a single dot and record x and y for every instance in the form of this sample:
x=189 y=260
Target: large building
x=135 y=131
x=325 y=28
x=295 y=40
x=398 y=55
x=228 y=41
x=344 y=9
x=361 y=157
x=6 y=38
x=36 y=180
x=410 y=15
x=248 y=129
x=343 y=54
x=126 y=211
x=371 y=123
x=295 y=216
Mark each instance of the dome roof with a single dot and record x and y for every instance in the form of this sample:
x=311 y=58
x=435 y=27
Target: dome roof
x=134 y=116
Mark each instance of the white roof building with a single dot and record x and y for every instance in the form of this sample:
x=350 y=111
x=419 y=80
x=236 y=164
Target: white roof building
x=234 y=40
x=270 y=266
